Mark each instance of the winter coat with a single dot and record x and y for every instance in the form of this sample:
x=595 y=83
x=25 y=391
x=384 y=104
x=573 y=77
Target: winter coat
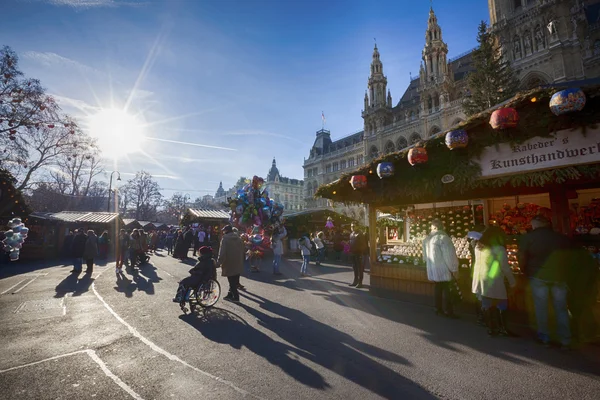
x=188 y=238
x=231 y=254
x=543 y=254
x=358 y=243
x=78 y=246
x=491 y=267
x=91 y=247
x=440 y=256
x=205 y=269
x=277 y=242
x=305 y=246
x=319 y=243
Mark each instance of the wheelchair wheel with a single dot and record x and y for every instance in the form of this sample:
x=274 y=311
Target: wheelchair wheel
x=208 y=294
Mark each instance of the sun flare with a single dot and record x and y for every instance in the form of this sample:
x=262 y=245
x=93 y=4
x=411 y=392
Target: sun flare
x=117 y=132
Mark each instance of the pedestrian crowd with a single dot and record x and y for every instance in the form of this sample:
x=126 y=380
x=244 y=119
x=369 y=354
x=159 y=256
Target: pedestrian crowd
x=561 y=275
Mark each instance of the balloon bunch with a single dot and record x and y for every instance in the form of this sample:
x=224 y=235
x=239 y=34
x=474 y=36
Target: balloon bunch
x=14 y=238
x=253 y=212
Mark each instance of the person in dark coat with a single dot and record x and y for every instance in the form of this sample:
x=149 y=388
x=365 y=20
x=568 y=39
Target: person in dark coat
x=77 y=250
x=188 y=239
x=358 y=247
x=205 y=269
x=91 y=251
x=179 y=251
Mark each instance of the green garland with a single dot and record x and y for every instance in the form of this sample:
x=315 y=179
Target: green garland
x=422 y=183
x=389 y=223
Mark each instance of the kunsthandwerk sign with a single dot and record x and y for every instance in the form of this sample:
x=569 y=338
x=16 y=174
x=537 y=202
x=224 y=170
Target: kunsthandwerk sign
x=563 y=149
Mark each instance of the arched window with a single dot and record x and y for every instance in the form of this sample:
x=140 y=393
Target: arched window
x=457 y=121
x=309 y=189
x=414 y=138
x=389 y=147
x=402 y=143
x=434 y=130
x=374 y=152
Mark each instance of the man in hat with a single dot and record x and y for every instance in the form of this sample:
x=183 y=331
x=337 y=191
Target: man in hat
x=231 y=261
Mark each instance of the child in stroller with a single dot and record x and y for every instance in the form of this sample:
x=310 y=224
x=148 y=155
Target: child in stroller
x=204 y=270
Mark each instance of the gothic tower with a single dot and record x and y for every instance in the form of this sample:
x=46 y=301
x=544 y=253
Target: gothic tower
x=434 y=72
x=377 y=113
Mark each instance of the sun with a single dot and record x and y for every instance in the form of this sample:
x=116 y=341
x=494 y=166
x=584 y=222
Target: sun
x=117 y=133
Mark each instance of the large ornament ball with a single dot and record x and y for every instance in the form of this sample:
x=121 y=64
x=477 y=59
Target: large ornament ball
x=417 y=155
x=504 y=118
x=566 y=101
x=358 y=182
x=457 y=139
x=385 y=169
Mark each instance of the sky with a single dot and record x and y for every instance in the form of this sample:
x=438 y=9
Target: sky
x=219 y=88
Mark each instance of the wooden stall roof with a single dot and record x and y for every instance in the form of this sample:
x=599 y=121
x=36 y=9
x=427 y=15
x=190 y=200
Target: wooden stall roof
x=84 y=217
x=147 y=225
x=207 y=213
x=423 y=183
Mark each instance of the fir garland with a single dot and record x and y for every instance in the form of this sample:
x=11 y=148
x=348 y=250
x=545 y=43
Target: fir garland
x=422 y=183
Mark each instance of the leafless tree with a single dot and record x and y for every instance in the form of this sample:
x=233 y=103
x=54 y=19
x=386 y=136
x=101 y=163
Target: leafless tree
x=144 y=193
x=34 y=134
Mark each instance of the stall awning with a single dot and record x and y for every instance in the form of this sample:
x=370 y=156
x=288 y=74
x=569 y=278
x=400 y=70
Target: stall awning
x=84 y=217
x=206 y=213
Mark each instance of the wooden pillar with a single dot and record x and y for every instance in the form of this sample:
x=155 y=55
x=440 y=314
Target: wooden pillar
x=372 y=233
x=560 y=210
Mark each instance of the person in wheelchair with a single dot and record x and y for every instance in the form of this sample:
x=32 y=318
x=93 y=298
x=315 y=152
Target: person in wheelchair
x=204 y=270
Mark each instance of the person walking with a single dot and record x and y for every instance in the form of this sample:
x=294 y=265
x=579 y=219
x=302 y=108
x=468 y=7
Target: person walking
x=543 y=257
x=135 y=247
x=188 y=240
x=122 y=246
x=490 y=269
x=358 y=247
x=305 y=247
x=440 y=257
x=78 y=250
x=320 y=247
x=277 y=245
x=103 y=243
x=91 y=251
x=231 y=261
x=169 y=242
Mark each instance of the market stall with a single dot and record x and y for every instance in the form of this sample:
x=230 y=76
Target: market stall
x=502 y=166
x=333 y=225
x=211 y=220
x=48 y=230
x=130 y=224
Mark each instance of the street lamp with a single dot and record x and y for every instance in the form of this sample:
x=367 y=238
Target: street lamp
x=110 y=187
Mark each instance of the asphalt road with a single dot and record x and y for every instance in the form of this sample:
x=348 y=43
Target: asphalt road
x=74 y=337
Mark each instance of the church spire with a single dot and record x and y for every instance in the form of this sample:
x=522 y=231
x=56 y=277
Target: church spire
x=377 y=86
x=435 y=51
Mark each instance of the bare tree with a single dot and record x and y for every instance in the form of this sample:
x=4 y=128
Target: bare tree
x=38 y=133
x=144 y=193
x=78 y=170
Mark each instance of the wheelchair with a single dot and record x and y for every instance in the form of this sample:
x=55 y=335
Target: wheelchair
x=205 y=295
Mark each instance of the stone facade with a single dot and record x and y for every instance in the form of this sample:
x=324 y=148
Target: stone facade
x=550 y=41
x=287 y=191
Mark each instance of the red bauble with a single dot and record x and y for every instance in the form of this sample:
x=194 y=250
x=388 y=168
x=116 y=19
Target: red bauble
x=358 y=182
x=417 y=155
x=50 y=126
x=504 y=118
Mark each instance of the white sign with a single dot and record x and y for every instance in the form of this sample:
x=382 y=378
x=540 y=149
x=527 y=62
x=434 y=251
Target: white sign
x=562 y=149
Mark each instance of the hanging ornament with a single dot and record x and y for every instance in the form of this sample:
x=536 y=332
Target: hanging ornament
x=504 y=118
x=417 y=155
x=329 y=224
x=50 y=126
x=385 y=169
x=566 y=101
x=457 y=139
x=358 y=182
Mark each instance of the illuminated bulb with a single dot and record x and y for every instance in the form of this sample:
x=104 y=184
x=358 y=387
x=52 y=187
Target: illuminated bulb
x=533 y=99
x=334 y=192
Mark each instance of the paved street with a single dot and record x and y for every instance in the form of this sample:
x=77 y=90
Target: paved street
x=290 y=338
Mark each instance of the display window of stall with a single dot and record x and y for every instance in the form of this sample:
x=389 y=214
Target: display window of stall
x=458 y=218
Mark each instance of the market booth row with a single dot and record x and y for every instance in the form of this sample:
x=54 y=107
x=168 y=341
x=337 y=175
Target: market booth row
x=47 y=231
x=312 y=221
x=502 y=166
x=209 y=219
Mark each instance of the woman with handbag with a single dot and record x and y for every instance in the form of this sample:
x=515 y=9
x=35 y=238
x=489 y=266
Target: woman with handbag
x=440 y=257
x=490 y=269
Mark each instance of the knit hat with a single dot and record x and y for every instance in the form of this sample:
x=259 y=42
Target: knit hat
x=206 y=250
x=227 y=229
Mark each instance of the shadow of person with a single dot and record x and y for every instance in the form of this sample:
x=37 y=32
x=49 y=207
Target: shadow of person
x=142 y=283
x=83 y=284
x=149 y=271
x=125 y=285
x=222 y=326
x=336 y=350
x=67 y=285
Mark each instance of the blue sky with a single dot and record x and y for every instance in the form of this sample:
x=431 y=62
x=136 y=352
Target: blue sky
x=248 y=76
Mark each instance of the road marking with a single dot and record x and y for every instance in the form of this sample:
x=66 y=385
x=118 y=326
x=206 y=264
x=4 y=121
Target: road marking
x=92 y=354
x=13 y=286
x=165 y=353
x=24 y=286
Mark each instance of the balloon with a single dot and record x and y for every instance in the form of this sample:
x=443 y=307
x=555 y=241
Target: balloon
x=256 y=239
x=17 y=228
x=8 y=233
x=239 y=210
x=24 y=231
x=14 y=255
x=266 y=211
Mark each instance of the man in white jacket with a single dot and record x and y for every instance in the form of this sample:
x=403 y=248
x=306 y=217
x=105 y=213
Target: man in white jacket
x=440 y=256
